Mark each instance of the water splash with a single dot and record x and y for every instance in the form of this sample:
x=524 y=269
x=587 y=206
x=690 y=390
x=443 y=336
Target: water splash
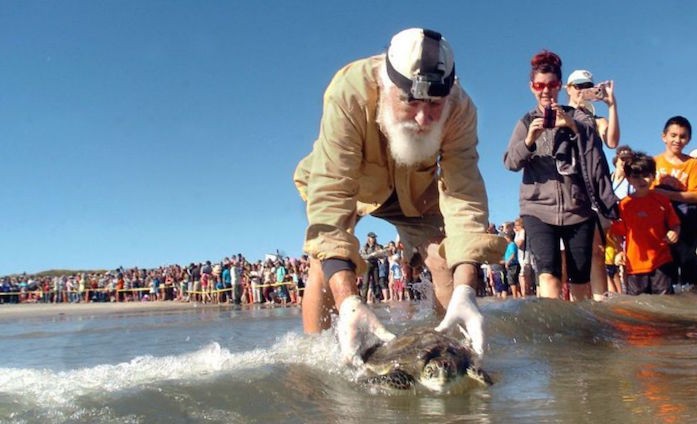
x=211 y=361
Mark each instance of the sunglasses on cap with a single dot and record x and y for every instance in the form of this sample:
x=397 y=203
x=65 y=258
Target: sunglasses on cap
x=582 y=86
x=539 y=86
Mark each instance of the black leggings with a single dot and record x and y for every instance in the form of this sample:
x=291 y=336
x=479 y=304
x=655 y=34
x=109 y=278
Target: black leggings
x=543 y=241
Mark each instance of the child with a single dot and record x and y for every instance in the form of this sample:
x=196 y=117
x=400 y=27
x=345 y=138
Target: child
x=510 y=261
x=397 y=278
x=650 y=225
x=614 y=276
x=676 y=178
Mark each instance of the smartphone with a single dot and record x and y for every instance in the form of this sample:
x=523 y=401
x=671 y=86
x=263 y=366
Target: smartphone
x=549 y=119
x=594 y=94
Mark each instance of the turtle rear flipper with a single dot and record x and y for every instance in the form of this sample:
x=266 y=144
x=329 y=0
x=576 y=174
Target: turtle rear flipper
x=395 y=379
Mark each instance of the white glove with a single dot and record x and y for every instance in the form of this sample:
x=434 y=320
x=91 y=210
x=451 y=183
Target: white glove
x=358 y=330
x=463 y=309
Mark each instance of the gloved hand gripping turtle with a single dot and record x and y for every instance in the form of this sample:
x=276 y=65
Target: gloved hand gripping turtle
x=463 y=310
x=358 y=330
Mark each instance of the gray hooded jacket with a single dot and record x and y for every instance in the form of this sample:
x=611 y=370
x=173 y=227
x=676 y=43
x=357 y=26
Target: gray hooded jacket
x=565 y=175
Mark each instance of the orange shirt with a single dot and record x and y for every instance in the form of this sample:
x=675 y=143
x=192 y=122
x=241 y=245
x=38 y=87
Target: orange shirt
x=644 y=221
x=681 y=177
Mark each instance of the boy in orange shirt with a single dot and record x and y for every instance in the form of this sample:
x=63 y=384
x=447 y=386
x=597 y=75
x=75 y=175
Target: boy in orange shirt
x=650 y=226
x=676 y=178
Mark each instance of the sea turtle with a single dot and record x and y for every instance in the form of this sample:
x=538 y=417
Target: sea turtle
x=434 y=360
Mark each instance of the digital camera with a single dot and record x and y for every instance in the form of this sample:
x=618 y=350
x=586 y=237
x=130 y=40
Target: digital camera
x=596 y=93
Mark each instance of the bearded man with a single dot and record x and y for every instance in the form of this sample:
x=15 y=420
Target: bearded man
x=397 y=141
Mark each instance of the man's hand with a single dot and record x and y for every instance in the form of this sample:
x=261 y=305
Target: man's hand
x=358 y=330
x=463 y=309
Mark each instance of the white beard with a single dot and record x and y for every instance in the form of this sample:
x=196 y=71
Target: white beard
x=408 y=146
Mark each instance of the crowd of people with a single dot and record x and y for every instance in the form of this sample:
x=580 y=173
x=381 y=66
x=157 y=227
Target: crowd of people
x=274 y=280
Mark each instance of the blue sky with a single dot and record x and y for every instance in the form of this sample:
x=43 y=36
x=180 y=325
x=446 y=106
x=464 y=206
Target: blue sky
x=145 y=133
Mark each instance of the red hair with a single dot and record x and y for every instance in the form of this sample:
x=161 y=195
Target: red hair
x=545 y=62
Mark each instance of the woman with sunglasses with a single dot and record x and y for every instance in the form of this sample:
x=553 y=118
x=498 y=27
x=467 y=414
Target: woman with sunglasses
x=582 y=92
x=608 y=128
x=565 y=176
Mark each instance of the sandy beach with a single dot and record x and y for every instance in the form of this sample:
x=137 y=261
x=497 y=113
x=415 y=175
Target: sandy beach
x=28 y=310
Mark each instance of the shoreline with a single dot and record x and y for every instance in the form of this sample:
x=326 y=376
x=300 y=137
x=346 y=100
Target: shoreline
x=43 y=310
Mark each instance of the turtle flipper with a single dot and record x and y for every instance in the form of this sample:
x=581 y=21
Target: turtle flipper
x=395 y=379
x=480 y=376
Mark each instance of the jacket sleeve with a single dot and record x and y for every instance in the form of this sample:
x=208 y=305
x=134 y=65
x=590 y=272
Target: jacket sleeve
x=517 y=153
x=332 y=186
x=463 y=200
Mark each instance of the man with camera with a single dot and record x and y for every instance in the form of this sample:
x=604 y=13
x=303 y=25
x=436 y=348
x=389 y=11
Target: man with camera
x=397 y=141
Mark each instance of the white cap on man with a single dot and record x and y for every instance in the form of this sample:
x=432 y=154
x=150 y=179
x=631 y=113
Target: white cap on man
x=421 y=63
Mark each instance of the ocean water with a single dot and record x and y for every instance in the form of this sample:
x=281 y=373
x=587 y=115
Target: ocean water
x=629 y=359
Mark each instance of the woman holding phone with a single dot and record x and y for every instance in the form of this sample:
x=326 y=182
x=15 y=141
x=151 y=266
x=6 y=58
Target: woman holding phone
x=565 y=177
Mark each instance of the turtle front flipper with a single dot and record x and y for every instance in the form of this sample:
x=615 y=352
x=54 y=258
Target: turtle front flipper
x=395 y=380
x=480 y=375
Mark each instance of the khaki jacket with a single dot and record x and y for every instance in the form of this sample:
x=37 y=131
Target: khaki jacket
x=350 y=173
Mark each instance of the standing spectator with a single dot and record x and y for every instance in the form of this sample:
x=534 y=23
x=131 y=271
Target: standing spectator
x=497 y=280
x=397 y=278
x=650 y=225
x=565 y=177
x=608 y=130
x=226 y=277
x=676 y=178
x=613 y=248
x=510 y=262
x=371 y=252
x=383 y=276
x=184 y=281
x=269 y=273
x=281 y=289
x=195 y=272
x=303 y=278
x=620 y=185
x=255 y=282
x=614 y=255
x=236 y=280
x=526 y=277
x=206 y=281
x=82 y=288
x=292 y=266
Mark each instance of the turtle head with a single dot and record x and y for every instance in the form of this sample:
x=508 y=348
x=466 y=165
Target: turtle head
x=439 y=372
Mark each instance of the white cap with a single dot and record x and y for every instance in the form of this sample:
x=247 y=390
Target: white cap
x=579 y=76
x=421 y=63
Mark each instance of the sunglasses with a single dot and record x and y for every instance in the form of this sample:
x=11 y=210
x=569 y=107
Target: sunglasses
x=539 y=86
x=583 y=85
